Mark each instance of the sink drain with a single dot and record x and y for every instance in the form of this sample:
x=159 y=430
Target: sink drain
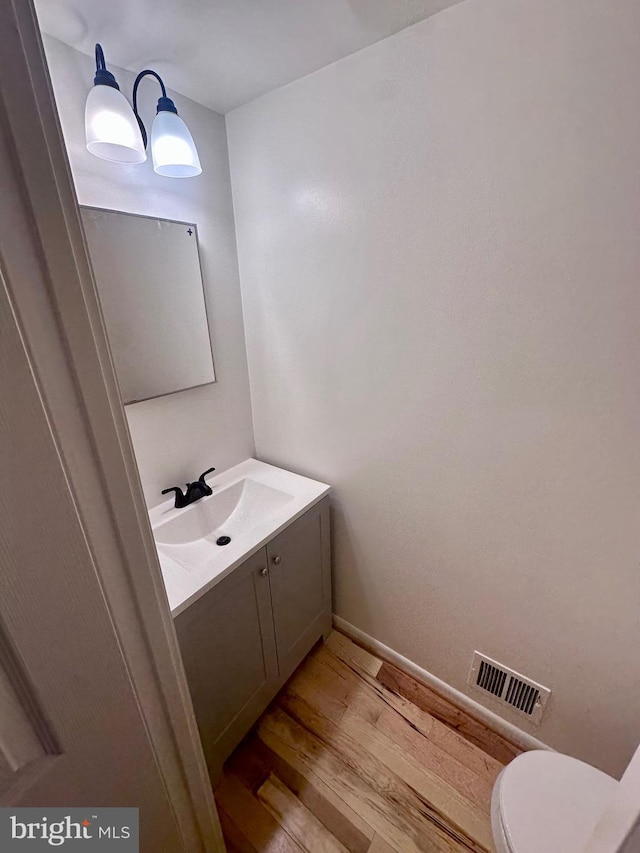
x=223 y=540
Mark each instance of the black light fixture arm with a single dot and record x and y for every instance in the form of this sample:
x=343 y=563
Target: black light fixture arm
x=100 y=63
x=164 y=103
x=103 y=77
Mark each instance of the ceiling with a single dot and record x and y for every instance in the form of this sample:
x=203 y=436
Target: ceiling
x=223 y=53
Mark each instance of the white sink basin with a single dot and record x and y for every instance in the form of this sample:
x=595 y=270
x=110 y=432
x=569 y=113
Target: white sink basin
x=188 y=536
x=250 y=504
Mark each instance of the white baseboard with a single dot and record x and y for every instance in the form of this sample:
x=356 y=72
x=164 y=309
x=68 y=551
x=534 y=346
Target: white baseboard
x=493 y=721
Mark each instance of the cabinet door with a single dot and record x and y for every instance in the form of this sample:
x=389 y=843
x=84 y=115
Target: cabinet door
x=228 y=649
x=300 y=579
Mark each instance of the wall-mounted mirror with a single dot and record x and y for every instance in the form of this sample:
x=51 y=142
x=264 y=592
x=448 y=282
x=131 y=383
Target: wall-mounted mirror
x=150 y=286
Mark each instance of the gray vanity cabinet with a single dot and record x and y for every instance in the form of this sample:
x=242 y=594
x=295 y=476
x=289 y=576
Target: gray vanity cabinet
x=229 y=654
x=242 y=640
x=300 y=586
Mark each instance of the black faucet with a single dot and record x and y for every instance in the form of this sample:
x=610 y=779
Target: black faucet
x=194 y=491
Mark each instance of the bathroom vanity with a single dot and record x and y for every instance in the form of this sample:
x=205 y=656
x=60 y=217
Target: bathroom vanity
x=248 y=612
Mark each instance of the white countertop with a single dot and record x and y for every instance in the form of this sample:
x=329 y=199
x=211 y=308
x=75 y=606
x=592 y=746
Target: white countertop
x=185 y=582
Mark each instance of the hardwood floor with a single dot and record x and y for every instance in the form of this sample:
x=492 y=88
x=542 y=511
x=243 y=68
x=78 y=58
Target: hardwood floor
x=355 y=755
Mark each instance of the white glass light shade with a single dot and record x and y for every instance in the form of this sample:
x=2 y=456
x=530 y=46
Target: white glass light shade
x=172 y=147
x=111 y=127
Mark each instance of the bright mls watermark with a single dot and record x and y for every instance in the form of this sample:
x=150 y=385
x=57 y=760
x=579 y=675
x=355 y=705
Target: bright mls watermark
x=80 y=830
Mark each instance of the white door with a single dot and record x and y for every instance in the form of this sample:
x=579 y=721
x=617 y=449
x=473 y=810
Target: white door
x=94 y=707
x=71 y=729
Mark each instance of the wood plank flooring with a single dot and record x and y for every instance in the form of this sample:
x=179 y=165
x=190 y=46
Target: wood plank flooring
x=355 y=755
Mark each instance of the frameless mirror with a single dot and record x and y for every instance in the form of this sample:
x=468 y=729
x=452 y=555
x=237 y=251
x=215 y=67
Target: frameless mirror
x=150 y=286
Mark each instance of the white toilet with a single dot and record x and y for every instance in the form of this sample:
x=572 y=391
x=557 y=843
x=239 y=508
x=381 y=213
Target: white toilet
x=545 y=802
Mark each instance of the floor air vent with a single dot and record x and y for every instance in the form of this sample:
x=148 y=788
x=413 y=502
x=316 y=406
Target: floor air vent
x=508 y=687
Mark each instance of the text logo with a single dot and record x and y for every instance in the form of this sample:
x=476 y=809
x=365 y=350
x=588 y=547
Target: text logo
x=105 y=830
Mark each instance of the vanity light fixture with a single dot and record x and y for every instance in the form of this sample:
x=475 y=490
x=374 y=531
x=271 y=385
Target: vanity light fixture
x=110 y=126
x=172 y=147
x=116 y=132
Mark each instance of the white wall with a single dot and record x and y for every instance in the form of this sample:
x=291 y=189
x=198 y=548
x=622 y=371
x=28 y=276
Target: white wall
x=439 y=242
x=178 y=436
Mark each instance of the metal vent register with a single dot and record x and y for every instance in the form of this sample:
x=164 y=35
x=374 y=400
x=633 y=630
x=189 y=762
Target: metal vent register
x=508 y=687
